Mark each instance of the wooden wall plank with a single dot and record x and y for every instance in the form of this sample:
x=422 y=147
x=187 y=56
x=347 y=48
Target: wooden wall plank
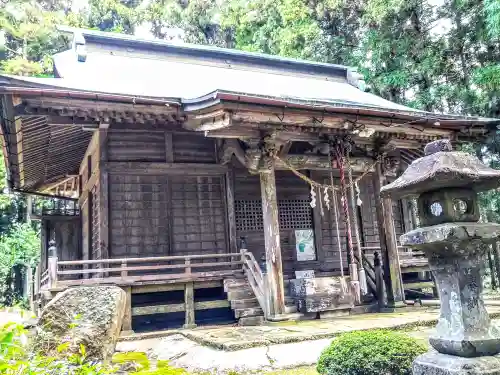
x=136 y=146
x=193 y=149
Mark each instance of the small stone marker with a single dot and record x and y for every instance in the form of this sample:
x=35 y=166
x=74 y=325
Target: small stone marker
x=447 y=182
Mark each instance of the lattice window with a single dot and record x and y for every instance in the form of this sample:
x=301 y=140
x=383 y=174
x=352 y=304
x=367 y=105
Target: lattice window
x=248 y=215
x=293 y=214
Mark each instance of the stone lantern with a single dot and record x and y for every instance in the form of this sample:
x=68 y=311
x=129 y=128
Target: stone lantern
x=446 y=183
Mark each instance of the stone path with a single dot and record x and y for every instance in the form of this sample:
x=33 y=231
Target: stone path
x=280 y=346
x=231 y=338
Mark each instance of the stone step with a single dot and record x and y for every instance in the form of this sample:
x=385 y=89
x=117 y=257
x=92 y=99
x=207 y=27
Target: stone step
x=290 y=309
x=238 y=294
x=245 y=313
x=251 y=321
x=291 y=317
x=244 y=303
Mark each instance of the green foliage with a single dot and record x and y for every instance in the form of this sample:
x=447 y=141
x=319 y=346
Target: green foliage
x=18 y=357
x=29 y=38
x=370 y=353
x=114 y=15
x=20 y=245
x=492 y=12
x=283 y=27
x=136 y=357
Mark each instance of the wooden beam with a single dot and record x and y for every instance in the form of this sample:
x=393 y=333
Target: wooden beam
x=169 y=147
x=143 y=168
x=306 y=117
x=189 y=306
x=215 y=120
x=275 y=291
x=171 y=287
x=388 y=244
x=10 y=146
x=94 y=142
x=127 y=316
x=54 y=185
x=319 y=162
x=285 y=149
x=81 y=106
x=178 y=307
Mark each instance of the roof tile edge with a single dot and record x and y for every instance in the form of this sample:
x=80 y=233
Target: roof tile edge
x=350 y=74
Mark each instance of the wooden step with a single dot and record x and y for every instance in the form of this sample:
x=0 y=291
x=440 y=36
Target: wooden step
x=231 y=284
x=245 y=313
x=238 y=294
x=251 y=321
x=244 y=303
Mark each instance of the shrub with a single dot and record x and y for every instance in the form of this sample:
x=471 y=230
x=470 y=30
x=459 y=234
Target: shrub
x=19 y=357
x=370 y=353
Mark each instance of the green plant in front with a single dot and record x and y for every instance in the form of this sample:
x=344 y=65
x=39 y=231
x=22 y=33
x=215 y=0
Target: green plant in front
x=19 y=357
x=377 y=352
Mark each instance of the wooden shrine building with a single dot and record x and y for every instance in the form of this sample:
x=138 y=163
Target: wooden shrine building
x=215 y=184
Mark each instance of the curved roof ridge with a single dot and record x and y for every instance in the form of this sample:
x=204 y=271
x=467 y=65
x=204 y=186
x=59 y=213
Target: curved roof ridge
x=207 y=52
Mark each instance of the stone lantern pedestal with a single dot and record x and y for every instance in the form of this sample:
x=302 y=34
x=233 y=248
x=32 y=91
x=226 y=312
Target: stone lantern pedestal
x=446 y=182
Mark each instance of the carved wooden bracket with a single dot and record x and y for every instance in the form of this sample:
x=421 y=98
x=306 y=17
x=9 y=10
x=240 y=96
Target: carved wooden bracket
x=319 y=162
x=210 y=121
x=258 y=157
x=390 y=166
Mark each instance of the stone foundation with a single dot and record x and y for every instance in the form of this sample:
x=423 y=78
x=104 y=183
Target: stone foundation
x=434 y=363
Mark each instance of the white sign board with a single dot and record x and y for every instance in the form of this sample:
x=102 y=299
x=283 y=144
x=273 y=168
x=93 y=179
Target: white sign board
x=309 y=274
x=304 y=245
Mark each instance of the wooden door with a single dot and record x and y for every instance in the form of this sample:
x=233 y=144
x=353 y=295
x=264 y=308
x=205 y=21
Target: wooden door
x=198 y=215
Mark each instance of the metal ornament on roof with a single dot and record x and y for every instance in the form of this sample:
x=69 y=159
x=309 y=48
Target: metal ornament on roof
x=447 y=183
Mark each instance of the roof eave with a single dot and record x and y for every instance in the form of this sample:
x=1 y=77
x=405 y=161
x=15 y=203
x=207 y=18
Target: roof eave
x=412 y=117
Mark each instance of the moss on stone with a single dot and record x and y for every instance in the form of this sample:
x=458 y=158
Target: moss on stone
x=139 y=358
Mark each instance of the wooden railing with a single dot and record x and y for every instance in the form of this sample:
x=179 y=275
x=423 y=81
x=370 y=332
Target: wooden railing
x=407 y=256
x=44 y=279
x=130 y=270
x=256 y=278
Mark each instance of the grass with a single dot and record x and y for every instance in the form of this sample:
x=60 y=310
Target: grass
x=295 y=371
x=309 y=370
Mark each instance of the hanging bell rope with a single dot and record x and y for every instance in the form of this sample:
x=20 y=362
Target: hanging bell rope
x=357 y=233
x=311 y=182
x=343 y=283
x=339 y=152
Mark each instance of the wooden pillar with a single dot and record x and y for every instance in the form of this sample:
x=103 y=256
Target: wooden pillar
x=231 y=215
x=127 y=316
x=189 y=305
x=44 y=250
x=388 y=244
x=52 y=265
x=274 y=264
x=103 y=193
x=407 y=215
x=28 y=285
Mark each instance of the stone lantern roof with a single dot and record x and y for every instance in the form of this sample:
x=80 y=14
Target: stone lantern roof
x=443 y=168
